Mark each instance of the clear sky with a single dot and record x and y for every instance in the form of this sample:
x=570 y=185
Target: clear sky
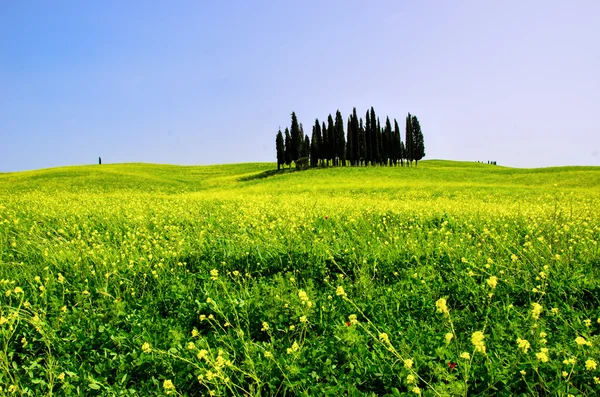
x=205 y=82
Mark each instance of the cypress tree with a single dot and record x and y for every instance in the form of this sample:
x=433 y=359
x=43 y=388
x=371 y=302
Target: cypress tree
x=325 y=146
x=341 y=138
x=319 y=143
x=288 y=148
x=355 y=138
x=296 y=138
x=363 y=142
x=368 y=138
x=409 y=141
x=418 y=143
x=399 y=145
x=301 y=147
x=332 y=149
x=388 y=145
x=374 y=146
x=350 y=142
x=377 y=138
x=314 y=145
x=280 y=147
x=306 y=147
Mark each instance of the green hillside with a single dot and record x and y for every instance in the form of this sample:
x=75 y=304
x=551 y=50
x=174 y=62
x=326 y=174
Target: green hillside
x=451 y=278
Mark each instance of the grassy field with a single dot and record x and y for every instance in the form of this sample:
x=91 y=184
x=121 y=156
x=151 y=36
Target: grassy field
x=447 y=279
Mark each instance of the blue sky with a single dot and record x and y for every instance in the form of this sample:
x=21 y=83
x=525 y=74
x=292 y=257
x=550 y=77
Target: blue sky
x=198 y=82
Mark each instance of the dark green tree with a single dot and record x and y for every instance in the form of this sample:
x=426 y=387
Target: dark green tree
x=280 y=146
x=368 y=139
x=418 y=145
x=319 y=142
x=388 y=143
x=332 y=149
x=314 y=145
x=325 y=146
x=297 y=138
x=288 y=148
x=399 y=144
x=408 y=153
x=355 y=138
x=340 y=146
x=350 y=142
x=362 y=138
x=306 y=147
x=374 y=143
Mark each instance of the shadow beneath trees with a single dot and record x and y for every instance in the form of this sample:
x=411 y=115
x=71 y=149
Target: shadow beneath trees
x=265 y=174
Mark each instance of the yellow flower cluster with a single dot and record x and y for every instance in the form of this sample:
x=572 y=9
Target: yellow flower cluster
x=492 y=281
x=441 y=306
x=536 y=310
x=477 y=341
x=465 y=355
x=581 y=341
x=214 y=274
x=408 y=363
x=542 y=355
x=295 y=347
x=146 y=348
x=448 y=337
x=353 y=319
x=590 y=365
x=523 y=344
x=265 y=326
x=339 y=291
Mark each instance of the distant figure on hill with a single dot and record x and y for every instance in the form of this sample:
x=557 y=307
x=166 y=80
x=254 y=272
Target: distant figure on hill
x=99 y=160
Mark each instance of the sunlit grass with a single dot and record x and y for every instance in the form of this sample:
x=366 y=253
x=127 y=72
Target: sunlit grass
x=151 y=279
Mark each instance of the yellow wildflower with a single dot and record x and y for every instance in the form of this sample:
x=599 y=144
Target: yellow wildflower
x=441 y=306
x=303 y=296
x=265 y=326
x=416 y=390
x=570 y=361
x=303 y=319
x=542 y=355
x=410 y=379
x=214 y=274
x=353 y=319
x=194 y=332
x=590 y=365
x=384 y=338
x=202 y=354
x=61 y=377
x=554 y=310
x=408 y=363
x=477 y=341
x=492 y=281
x=168 y=385
x=523 y=344
x=146 y=348
x=580 y=340
x=295 y=347
x=448 y=337
x=523 y=372
x=268 y=354
x=19 y=290
x=339 y=291
x=465 y=355
x=587 y=322
x=536 y=310
x=565 y=374
x=236 y=273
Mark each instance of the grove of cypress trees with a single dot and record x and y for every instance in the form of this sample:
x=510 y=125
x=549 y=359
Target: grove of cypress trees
x=280 y=147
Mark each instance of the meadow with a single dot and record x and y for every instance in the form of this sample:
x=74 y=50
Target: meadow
x=449 y=279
